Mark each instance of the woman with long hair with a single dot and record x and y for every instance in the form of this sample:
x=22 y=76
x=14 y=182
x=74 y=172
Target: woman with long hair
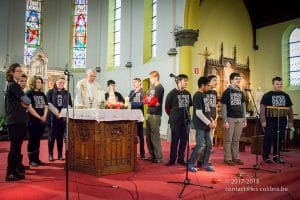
x=58 y=97
x=16 y=104
x=36 y=125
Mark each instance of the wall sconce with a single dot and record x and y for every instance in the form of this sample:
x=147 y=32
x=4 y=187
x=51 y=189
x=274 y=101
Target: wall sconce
x=98 y=69
x=128 y=64
x=172 y=52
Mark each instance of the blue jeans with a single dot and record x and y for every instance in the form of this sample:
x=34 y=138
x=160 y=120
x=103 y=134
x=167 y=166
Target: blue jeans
x=202 y=136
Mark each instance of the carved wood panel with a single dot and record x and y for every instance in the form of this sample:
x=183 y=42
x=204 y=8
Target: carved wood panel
x=103 y=148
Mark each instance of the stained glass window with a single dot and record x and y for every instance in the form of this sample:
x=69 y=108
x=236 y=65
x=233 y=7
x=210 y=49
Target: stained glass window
x=80 y=33
x=294 y=57
x=154 y=29
x=32 y=28
x=117 y=32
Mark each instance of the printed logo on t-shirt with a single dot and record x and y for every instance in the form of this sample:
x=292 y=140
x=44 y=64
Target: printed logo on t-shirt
x=206 y=104
x=278 y=100
x=39 y=101
x=235 y=98
x=183 y=101
x=59 y=100
x=212 y=100
x=152 y=92
x=137 y=97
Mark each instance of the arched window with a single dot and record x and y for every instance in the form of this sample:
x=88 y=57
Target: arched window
x=32 y=28
x=154 y=29
x=80 y=33
x=294 y=58
x=117 y=32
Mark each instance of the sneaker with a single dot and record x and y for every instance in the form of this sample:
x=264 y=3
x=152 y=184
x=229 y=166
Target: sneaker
x=238 y=161
x=208 y=168
x=229 y=162
x=61 y=158
x=33 y=164
x=191 y=168
x=267 y=159
x=157 y=161
x=278 y=160
x=51 y=159
x=143 y=158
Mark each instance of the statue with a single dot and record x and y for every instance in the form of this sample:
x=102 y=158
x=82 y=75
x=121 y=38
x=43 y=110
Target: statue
x=257 y=98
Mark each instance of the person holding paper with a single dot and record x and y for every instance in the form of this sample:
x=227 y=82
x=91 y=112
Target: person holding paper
x=57 y=100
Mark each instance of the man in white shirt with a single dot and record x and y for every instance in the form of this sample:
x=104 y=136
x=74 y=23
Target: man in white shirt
x=88 y=92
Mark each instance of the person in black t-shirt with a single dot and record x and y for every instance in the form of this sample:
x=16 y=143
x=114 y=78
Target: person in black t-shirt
x=269 y=116
x=36 y=125
x=177 y=105
x=213 y=104
x=154 y=101
x=112 y=96
x=234 y=119
x=203 y=123
x=58 y=97
x=136 y=101
x=16 y=103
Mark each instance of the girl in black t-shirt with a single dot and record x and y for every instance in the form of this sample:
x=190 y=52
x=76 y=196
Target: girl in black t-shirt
x=36 y=125
x=58 y=97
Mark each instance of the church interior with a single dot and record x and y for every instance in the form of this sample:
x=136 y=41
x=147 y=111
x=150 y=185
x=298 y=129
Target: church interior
x=126 y=39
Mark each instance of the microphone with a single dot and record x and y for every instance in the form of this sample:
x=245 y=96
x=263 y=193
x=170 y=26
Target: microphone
x=67 y=73
x=173 y=76
x=248 y=90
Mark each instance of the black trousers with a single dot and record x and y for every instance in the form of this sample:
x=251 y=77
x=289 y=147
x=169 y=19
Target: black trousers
x=178 y=142
x=140 y=133
x=35 y=133
x=270 y=138
x=16 y=134
x=56 y=132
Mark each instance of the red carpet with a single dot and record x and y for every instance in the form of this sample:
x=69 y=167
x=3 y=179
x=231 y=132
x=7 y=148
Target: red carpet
x=150 y=181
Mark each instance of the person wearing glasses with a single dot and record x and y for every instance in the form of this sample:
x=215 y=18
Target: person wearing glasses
x=234 y=119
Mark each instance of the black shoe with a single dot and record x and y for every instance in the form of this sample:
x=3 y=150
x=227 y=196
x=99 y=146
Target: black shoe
x=278 y=160
x=199 y=164
x=169 y=163
x=14 y=177
x=181 y=162
x=39 y=162
x=51 y=159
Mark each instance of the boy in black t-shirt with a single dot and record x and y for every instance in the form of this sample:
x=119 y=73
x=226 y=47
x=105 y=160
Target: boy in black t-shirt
x=203 y=123
x=234 y=119
x=213 y=103
x=177 y=106
x=275 y=105
x=154 y=101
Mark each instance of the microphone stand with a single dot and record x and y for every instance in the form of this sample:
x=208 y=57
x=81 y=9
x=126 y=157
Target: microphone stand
x=67 y=137
x=257 y=122
x=186 y=181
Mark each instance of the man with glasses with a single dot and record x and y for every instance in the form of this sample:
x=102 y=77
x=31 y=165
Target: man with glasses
x=234 y=119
